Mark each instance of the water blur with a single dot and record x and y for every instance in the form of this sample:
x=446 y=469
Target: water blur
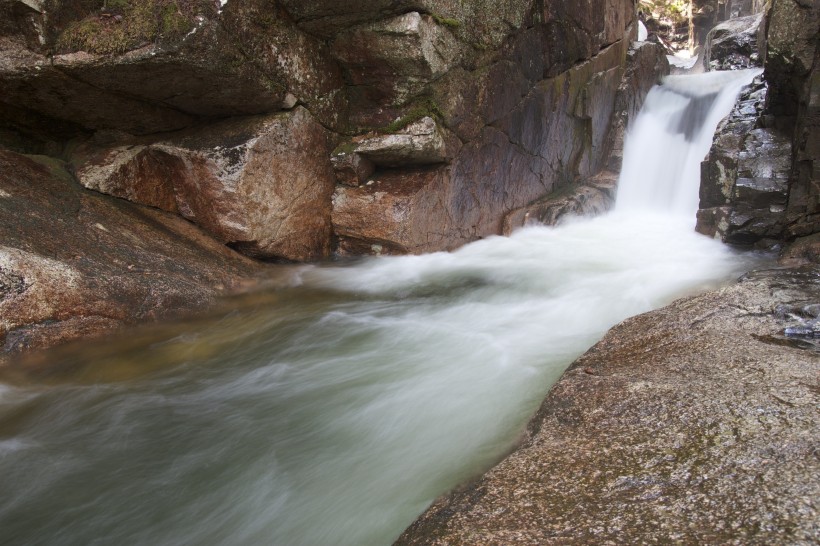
x=333 y=408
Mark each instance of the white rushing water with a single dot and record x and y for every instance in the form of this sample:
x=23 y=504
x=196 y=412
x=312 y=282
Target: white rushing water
x=335 y=411
x=670 y=138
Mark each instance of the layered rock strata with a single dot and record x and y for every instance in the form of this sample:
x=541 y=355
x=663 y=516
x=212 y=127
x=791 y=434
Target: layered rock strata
x=696 y=423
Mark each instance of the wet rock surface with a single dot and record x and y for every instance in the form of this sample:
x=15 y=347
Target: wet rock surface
x=696 y=423
x=595 y=196
x=761 y=182
x=85 y=264
x=745 y=178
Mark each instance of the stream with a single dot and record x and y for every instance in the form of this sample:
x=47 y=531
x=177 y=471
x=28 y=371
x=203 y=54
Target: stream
x=333 y=408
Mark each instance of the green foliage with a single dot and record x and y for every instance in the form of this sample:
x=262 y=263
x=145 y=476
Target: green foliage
x=122 y=25
x=674 y=11
x=425 y=108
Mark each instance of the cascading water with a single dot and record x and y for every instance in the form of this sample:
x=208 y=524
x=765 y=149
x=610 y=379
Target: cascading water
x=671 y=136
x=334 y=410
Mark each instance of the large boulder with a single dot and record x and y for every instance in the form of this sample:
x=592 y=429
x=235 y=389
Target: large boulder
x=261 y=185
x=85 y=264
x=692 y=424
x=736 y=44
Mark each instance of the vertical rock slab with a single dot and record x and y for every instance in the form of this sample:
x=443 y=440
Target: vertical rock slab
x=793 y=70
x=745 y=178
x=262 y=185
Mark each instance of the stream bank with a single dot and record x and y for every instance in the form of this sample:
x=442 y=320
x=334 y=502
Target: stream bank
x=694 y=423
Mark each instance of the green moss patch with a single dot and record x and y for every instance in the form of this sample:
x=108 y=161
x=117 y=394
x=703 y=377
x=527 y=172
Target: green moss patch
x=446 y=21
x=423 y=109
x=122 y=25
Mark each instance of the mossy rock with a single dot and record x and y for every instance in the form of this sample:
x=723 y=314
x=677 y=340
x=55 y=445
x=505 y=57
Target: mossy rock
x=118 y=26
x=426 y=107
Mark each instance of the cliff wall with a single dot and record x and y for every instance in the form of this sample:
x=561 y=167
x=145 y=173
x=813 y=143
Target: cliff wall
x=396 y=127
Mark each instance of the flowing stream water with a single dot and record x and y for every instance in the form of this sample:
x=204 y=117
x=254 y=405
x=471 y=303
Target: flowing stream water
x=334 y=408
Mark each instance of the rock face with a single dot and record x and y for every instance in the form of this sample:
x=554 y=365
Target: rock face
x=233 y=62
x=243 y=181
x=761 y=181
x=745 y=179
x=793 y=70
x=295 y=131
x=489 y=107
x=516 y=149
x=696 y=423
x=84 y=264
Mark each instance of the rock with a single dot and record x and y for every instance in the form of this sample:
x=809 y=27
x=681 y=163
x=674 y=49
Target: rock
x=422 y=142
x=396 y=212
x=242 y=60
x=85 y=264
x=351 y=168
x=802 y=251
x=520 y=144
x=793 y=70
x=745 y=177
x=289 y=57
x=595 y=196
x=262 y=185
x=761 y=183
x=483 y=24
x=736 y=44
x=391 y=61
x=696 y=423
x=791 y=50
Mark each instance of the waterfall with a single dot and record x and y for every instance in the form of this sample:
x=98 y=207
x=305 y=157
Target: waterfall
x=671 y=136
x=335 y=407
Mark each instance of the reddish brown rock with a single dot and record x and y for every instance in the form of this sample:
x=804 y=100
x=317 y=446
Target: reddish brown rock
x=262 y=185
x=85 y=263
x=520 y=146
x=397 y=212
